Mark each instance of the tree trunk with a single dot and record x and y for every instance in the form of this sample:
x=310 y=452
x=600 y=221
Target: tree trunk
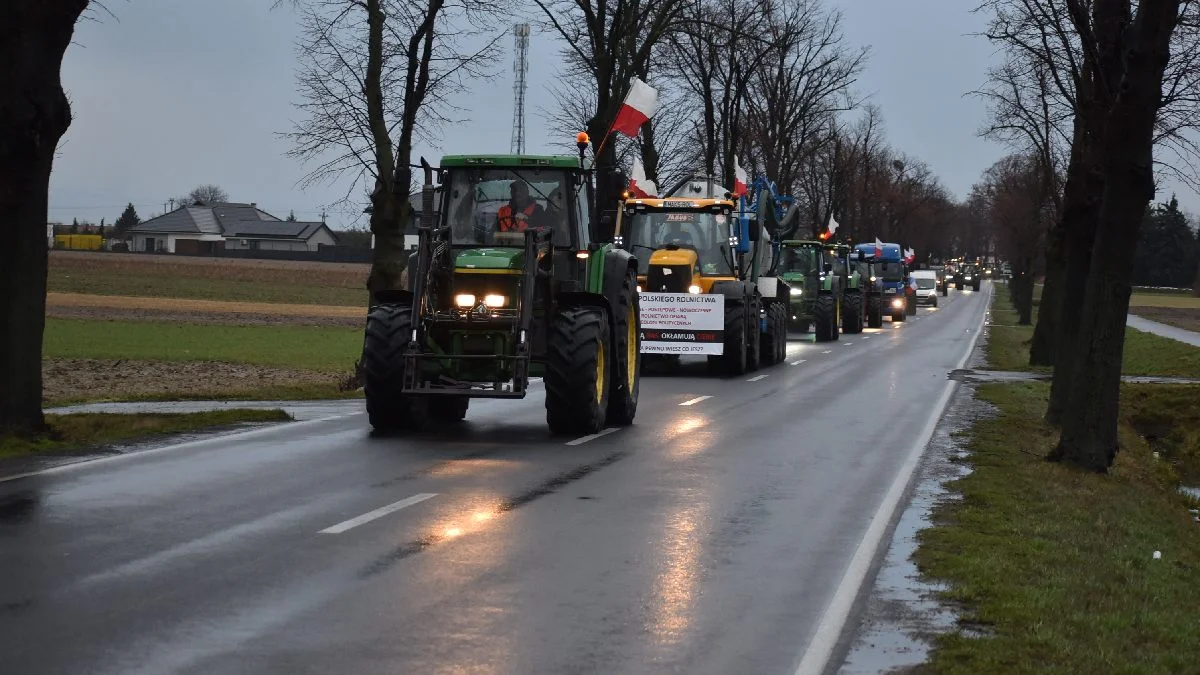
x=1089 y=435
x=34 y=114
x=1081 y=207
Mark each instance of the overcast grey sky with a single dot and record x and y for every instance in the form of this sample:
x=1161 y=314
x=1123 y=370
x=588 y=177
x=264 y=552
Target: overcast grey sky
x=174 y=93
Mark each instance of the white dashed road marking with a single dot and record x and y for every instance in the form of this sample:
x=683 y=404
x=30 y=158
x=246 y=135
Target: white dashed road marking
x=377 y=513
x=696 y=400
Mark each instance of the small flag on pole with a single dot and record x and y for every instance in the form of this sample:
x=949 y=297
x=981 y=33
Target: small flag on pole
x=833 y=225
x=878 y=248
x=741 y=181
x=639 y=185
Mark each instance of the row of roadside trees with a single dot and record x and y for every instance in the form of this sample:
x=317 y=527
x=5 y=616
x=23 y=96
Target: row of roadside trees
x=1098 y=98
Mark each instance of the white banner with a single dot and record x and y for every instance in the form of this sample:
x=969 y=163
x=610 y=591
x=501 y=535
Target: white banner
x=682 y=323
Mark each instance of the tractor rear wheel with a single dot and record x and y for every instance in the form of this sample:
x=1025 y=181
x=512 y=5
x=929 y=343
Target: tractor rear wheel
x=734 y=359
x=753 y=336
x=874 y=311
x=627 y=357
x=825 y=318
x=578 y=373
x=852 y=313
x=449 y=409
x=384 y=343
x=779 y=315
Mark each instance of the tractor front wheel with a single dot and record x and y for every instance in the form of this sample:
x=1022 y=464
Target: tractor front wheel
x=753 y=334
x=874 y=311
x=852 y=314
x=825 y=318
x=627 y=357
x=734 y=359
x=384 y=343
x=578 y=371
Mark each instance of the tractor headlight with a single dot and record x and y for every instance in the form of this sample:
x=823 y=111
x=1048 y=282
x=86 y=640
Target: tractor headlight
x=897 y=303
x=464 y=300
x=797 y=291
x=694 y=289
x=493 y=300
x=873 y=280
x=968 y=277
x=639 y=288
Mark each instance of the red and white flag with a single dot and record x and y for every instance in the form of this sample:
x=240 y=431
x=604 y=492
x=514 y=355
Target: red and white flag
x=639 y=185
x=741 y=181
x=640 y=105
x=909 y=255
x=878 y=248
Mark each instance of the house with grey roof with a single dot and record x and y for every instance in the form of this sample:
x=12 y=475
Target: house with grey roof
x=210 y=229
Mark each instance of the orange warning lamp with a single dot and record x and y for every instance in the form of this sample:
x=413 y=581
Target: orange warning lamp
x=582 y=138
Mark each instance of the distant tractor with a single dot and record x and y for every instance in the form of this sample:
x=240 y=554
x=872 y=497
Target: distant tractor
x=891 y=275
x=507 y=285
x=853 y=285
x=808 y=267
x=872 y=288
x=698 y=242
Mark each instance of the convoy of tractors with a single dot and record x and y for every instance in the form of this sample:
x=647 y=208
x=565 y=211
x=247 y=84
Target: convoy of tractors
x=520 y=273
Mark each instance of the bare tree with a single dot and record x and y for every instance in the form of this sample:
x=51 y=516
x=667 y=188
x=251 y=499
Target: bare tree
x=611 y=41
x=34 y=114
x=203 y=194
x=375 y=75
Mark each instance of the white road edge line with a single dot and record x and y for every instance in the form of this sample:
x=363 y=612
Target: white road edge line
x=377 y=513
x=816 y=655
x=866 y=337
x=220 y=438
x=828 y=351
x=796 y=363
x=696 y=400
x=847 y=344
x=592 y=437
x=756 y=378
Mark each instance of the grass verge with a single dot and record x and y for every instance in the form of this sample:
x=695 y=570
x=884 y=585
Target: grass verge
x=327 y=350
x=82 y=430
x=1056 y=566
x=1145 y=353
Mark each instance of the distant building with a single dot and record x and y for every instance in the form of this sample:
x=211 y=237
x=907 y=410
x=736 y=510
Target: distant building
x=201 y=229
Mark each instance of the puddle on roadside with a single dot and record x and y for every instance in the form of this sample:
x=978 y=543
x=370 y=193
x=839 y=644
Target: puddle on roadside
x=902 y=614
x=1191 y=491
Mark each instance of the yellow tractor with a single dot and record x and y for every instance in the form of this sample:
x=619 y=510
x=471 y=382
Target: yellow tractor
x=697 y=282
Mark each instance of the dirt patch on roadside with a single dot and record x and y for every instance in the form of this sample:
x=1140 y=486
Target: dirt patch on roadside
x=92 y=379
x=213 y=312
x=1180 y=317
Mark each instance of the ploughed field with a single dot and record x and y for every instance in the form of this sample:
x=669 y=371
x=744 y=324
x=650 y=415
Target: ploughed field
x=143 y=326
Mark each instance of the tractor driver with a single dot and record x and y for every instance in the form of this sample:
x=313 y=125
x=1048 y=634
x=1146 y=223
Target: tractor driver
x=676 y=235
x=520 y=211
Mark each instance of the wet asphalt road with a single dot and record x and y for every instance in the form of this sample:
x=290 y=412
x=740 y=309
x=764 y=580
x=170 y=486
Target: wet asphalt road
x=707 y=538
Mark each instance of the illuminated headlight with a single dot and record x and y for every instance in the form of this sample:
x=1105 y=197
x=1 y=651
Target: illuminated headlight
x=873 y=280
x=797 y=291
x=968 y=277
x=639 y=288
x=897 y=303
x=464 y=300
x=822 y=277
x=694 y=289
x=495 y=300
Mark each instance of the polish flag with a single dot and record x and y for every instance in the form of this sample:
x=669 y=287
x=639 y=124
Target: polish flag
x=909 y=255
x=639 y=185
x=740 y=180
x=640 y=105
x=878 y=248
x=833 y=225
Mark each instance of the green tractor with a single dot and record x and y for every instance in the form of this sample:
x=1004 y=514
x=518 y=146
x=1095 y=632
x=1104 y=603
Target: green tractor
x=507 y=284
x=853 y=284
x=809 y=269
x=871 y=290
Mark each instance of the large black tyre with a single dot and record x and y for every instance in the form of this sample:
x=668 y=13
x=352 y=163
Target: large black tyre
x=753 y=336
x=578 y=371
x=935 y=302
x=874 y=311
x=781 y=332
x=852 y=313
x=910 y=307
x=898 y=315
x=769 y=341
x=627 y=357
x=945 y=288
x=449 y=409
x=384 y=343
x=733 y=360
x=825 y=318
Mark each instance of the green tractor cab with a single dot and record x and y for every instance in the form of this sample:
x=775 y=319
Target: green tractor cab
x=809 y=269
x=849 y=269
x=506 y=284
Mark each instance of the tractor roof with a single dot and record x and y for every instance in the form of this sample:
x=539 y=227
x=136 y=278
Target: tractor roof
x=512 y=161
x=679 y=202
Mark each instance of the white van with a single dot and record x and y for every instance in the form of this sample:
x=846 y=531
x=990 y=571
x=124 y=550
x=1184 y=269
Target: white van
x=927 y=287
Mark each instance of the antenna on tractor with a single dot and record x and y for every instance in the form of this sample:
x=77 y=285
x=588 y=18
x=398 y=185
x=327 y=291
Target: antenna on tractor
x=520 y=69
